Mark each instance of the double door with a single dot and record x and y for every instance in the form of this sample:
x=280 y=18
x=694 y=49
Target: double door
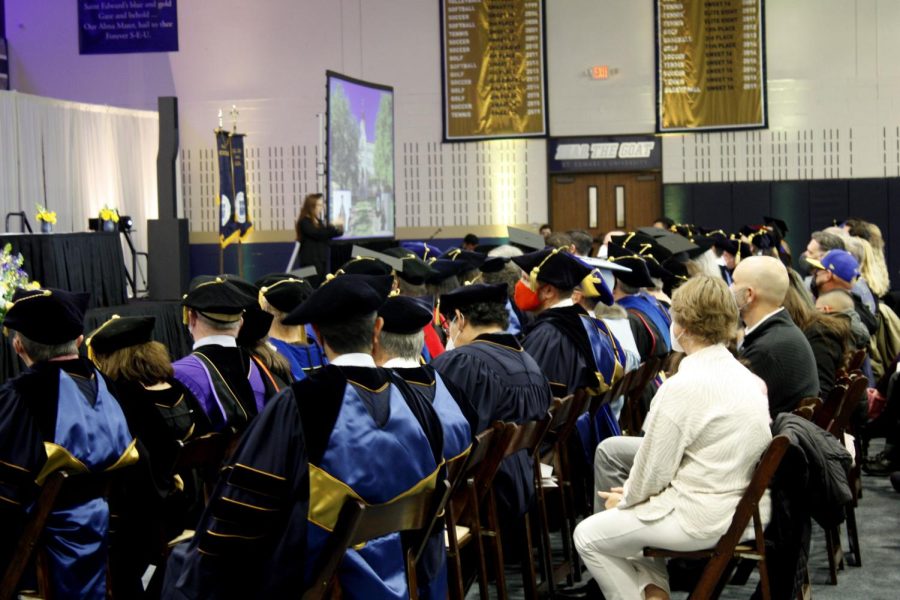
x=601 y=202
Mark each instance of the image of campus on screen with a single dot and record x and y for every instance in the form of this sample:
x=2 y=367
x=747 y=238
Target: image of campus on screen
x=361 y=158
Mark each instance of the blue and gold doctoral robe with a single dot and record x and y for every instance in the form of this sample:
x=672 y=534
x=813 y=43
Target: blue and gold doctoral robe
x=430 y=387
x=303 y=358
x=576 y=350
x=68 y=409
x=342 y=432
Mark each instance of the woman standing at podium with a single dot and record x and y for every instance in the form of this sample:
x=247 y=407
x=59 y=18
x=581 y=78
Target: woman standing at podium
x=315 y=235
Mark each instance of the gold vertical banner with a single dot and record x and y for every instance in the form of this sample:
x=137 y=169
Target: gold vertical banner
x=493 y=68
x=710 y=65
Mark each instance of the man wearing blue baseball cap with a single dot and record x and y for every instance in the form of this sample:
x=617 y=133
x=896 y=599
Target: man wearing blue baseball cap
x=839 y=270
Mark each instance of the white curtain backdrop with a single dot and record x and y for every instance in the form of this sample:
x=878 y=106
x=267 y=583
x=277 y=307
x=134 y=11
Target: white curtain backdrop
x=75 y=159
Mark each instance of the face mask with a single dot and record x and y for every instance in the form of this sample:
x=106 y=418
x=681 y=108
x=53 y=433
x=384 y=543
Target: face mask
x=741 y=304
x=814 y=284
x=451 y=341
x=526 y=298
x=676 y=339
x=603 y=252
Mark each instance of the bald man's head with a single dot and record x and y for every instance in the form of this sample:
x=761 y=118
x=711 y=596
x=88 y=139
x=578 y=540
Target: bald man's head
x=835 y=301
x=765 y=276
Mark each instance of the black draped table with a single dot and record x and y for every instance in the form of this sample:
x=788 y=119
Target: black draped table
x=79 y=262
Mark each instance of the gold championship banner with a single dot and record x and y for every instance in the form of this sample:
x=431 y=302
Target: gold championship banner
x=493 y=68
x=710 y=65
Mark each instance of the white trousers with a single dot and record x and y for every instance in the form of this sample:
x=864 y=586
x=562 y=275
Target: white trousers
x=611 y=544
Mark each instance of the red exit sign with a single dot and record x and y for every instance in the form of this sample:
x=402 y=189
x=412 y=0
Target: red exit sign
x=600 y=72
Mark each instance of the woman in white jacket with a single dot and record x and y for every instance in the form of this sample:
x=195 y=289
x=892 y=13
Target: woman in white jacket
x=707 y=427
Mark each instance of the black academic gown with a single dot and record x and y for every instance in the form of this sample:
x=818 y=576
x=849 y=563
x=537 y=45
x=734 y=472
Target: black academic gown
x=151 y=509
x=499 y=381
x=251 y=541
x=560 y=346
x=647 y=337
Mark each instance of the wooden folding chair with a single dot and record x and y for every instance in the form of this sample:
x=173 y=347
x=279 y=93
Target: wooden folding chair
x=854 y=386
x=807 y=407
x=831 y=403
x=856 y=360
x=720 y=563
x=463 y=515
x=585 y=506
x=358 y=523
x=564 y=413
x=60 y=489
x=528 y=437
x=205 y=455
x=633 y=412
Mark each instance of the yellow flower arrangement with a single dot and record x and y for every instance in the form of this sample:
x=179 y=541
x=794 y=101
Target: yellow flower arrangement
x=45 y=216
x=109 y=214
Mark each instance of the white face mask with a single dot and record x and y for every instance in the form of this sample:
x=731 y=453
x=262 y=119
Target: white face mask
x=451 y=342
x=676 y=344
x=603 y=252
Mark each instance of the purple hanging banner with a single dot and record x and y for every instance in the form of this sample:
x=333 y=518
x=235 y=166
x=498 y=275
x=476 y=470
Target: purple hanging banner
x=121 y=26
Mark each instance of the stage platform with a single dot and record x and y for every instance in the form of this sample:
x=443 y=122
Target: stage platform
x=168 y=330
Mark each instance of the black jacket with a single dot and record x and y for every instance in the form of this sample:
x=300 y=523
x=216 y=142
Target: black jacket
x=828 y=350
x=811 y=483
x=314 y=244
x=778 y=352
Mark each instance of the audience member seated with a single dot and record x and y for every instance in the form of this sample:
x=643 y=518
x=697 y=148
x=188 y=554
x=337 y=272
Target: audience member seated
x=839 y=303
x=707 y=427
x=574 y=349
x=773 y=346
x=649 y=320
x=496 y=378
x=346 y=431
x=223 y=378
x=253 y=338
x=61 y=413
x=160 y=411
x=875 y=272
x=470 y=242
x=886 y=425
x=595 y=297
x=398 y=347
x=279 y=295
x=582 y=242
x=829 y=337
x=838 y=270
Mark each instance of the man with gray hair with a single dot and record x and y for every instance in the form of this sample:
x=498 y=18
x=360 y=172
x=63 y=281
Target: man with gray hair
x=820 y=242
x=773 y=346
x=582 y=242
x=221 y=375
x=399 y=347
